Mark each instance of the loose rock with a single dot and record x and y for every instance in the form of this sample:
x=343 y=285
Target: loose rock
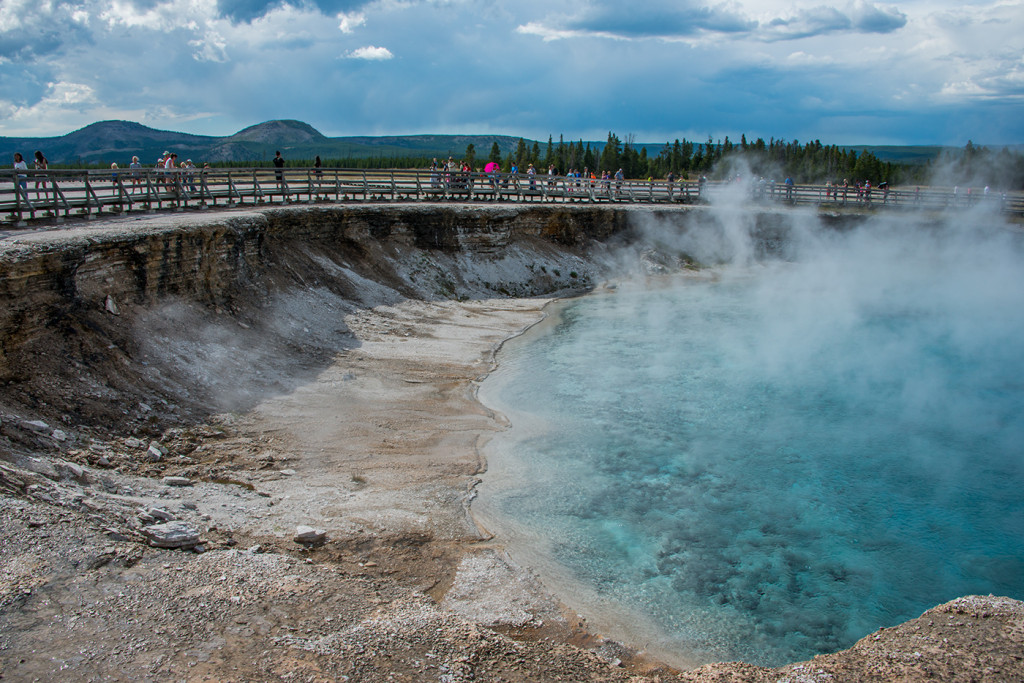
x=171 y=535
x=307 y=535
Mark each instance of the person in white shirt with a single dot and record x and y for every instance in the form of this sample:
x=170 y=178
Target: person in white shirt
x=20 y=165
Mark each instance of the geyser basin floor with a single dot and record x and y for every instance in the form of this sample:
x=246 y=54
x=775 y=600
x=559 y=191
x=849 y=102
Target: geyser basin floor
x=775 y=462
x=256 y=606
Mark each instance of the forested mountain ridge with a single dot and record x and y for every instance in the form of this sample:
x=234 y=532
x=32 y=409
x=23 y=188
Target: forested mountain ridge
x=100 y=144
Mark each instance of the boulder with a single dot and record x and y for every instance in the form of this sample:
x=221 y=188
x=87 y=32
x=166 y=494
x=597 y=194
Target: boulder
x=177 y=481
x=37 y=426
x=171 y=535
x=153 y=514
x=307 y=535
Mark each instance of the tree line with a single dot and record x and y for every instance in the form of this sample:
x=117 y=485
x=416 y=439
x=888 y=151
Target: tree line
x=811 y=162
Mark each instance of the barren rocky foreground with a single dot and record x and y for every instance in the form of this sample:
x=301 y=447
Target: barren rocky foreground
x=243 y=447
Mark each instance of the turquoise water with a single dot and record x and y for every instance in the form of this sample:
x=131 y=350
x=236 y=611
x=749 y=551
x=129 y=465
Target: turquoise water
x=769 y=461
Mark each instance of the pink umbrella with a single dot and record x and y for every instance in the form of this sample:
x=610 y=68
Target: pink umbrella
x=492 y=166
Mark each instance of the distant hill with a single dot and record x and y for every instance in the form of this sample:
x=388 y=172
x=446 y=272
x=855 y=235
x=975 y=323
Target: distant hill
x=118 y=141
x=107 y=141
x=901 y=155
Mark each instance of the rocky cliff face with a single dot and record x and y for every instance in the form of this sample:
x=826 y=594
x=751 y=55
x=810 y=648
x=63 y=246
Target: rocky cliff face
x=77 y=297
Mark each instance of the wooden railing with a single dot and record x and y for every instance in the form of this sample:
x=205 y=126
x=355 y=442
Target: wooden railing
x=55 y=195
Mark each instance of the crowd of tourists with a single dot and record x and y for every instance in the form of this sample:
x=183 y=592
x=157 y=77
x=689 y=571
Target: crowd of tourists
x=452 y=174
x=168 y=171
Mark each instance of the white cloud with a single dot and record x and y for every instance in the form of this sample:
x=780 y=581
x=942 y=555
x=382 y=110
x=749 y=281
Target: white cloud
x=159 y=17
x=370 y=53
x=803 y=59
x=349 y=22
x=548 y=33
x=210 y=48
x=62 y=103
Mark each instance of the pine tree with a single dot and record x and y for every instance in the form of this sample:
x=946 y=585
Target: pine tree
x=521 y=154
x=610 y=155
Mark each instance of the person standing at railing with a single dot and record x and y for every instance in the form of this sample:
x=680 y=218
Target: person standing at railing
x=532 y=172
x=435 y=176
x=170 y=166
x=136 y=173
x=190 y=175
x=449 y=172
x=159 y=168
x=279 y=173
x=41 y=164
x=619 y=177
x=20 y=165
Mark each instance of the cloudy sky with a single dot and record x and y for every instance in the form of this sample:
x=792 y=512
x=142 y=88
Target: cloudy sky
x=842 y=71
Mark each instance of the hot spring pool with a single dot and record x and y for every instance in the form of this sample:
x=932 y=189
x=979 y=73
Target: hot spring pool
x=771 y=460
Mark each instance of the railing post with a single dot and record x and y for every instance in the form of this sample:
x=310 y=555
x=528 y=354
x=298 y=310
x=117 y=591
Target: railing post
x=179 y=189
x=257 y=191
x=232 y=190
x=151 y=192
x=90 y=192
x=204 y=188
x=58 y=193
x=21 y=193
x=122 y=195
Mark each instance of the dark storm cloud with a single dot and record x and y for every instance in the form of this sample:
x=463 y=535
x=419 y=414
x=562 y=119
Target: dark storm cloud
x=652 y=21
x=811 y=22
x=869 y=18
x=683 y=19
x=247 y=10
x=28 y=31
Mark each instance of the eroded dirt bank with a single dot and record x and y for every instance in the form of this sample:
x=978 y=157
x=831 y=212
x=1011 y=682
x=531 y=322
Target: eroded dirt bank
x=220 y=382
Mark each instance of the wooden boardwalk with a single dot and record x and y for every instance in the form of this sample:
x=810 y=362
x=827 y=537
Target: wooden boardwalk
x=52 y=196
